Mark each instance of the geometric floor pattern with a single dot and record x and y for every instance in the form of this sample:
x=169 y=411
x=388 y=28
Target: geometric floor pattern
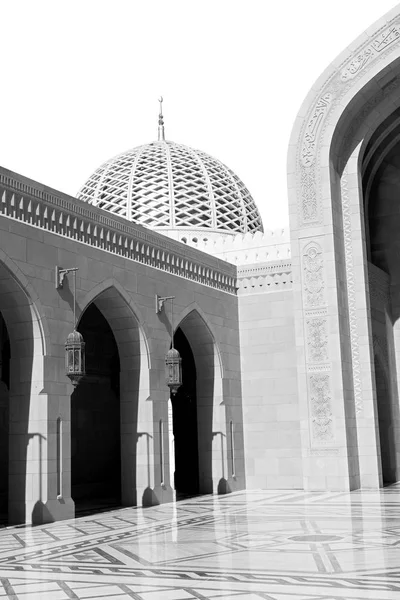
x=250 y=545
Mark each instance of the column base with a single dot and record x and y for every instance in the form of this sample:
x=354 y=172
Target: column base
x=38 y=513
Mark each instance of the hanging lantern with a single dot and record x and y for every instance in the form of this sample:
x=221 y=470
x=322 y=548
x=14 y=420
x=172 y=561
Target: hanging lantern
x=75 y=357
x=173 y=370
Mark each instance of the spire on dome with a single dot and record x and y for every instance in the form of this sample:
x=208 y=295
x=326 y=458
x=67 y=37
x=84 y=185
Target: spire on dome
x=161 y=134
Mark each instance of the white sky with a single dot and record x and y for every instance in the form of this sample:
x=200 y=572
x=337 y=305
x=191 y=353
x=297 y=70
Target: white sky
x=80 y=81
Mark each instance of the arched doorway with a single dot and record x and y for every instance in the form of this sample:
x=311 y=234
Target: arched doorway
x=123 y=328
x=95 y=419
x=337 y=131
x=203 y=419
x=4 y=417
x=381 y=188
x=184 y=423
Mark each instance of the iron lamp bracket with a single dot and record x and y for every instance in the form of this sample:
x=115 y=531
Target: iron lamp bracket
x=60 y=276
x=160 y=301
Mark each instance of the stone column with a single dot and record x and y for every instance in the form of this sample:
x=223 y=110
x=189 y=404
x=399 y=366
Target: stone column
x=364 y=429
x=171 y=446
x=324 y=362
x=39 y=468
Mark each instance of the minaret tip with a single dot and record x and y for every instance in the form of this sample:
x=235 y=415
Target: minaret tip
x=161 y=134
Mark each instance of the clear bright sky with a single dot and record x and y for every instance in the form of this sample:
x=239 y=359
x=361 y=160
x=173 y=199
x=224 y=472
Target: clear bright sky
x=80 y=81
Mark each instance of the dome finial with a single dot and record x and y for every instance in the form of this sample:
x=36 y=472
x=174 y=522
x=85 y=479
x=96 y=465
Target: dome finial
x=161 y=135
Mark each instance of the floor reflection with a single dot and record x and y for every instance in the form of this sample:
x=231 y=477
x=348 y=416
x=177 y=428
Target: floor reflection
x=246 y=545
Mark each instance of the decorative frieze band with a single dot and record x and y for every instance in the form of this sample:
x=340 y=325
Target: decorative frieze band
x=324 y=451
x=385 y=39
x=71 y=218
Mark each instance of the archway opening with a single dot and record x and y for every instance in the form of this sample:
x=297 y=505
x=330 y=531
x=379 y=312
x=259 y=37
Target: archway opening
x=95 y=419
x=184 y=423
x=4 y=418
x=381 y=188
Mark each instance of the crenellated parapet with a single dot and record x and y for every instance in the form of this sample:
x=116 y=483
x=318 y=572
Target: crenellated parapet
x=265 y=278
x=248 y=248
x=36 y=205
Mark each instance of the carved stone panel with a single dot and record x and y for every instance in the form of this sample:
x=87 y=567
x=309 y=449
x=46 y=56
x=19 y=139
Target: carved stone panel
x=321 y=408
x=317 y=340
x=313 y=275
x=312 y=129
x=370 y=52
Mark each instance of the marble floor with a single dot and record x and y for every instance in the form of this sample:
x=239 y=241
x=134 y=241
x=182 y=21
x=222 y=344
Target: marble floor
x=244 y=546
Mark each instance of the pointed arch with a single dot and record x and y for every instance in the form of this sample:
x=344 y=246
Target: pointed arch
x=211 y=392
x=193 y=312
x=117 y=304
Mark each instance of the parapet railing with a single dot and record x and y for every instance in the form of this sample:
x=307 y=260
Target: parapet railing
x=36 y=205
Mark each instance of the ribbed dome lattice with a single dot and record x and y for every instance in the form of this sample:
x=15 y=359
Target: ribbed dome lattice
x=164 y=185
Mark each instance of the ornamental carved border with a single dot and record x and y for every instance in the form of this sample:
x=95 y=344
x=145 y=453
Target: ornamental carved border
x=385 y=41
x=351 y=293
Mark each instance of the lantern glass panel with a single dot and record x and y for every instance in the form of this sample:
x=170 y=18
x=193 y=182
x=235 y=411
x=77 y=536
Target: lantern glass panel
x=77 y=359
x=70 y=360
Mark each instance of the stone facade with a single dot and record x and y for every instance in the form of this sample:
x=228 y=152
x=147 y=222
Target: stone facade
x=290 y=338
x=121 y=269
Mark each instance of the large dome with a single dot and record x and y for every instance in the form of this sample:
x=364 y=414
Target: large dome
x=168 y=186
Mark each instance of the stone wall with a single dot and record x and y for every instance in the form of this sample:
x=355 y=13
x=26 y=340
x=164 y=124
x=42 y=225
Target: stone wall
x=121 y=269
x=269 y=377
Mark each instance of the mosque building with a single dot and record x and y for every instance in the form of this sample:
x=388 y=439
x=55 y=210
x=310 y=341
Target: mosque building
x=157 y=342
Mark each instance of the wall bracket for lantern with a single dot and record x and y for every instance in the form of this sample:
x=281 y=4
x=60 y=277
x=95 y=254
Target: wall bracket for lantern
x=173 y=361
x=60 y=275
x=160 y=301
x=74 y=345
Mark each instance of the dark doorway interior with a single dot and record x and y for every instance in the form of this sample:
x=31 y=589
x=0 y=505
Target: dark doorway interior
x=95 y=420
x=184 y=411
x=386 y=429
x=4 y=417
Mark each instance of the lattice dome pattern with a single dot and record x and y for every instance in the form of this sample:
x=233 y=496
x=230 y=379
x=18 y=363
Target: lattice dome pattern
x=170 y=186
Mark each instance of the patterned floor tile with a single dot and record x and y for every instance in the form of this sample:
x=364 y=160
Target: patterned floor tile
x=247 y=546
